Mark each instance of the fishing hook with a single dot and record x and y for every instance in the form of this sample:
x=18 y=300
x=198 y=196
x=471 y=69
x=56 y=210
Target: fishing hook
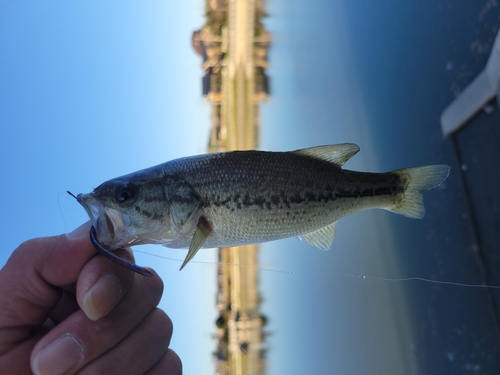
x=112 y=257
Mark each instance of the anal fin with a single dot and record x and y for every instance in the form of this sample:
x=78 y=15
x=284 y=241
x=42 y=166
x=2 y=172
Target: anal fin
x=203 y=230
x=323 y=237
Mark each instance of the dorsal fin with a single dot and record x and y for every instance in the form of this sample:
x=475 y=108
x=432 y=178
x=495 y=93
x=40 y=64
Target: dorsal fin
x=336 y=154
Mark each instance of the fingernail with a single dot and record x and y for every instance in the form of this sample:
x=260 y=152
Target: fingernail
x=81 y=231
x=59 y=356
x=101 y=297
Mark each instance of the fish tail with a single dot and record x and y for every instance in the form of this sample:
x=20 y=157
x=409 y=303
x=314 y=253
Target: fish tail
x=418 y=179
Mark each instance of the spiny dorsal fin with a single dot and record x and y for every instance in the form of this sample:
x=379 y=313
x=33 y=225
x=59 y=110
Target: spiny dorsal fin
x=323 y=237
x=203 y=230
x=336 y=154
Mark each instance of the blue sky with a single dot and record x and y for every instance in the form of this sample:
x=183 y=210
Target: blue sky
x=91 y=91
x=94 y=90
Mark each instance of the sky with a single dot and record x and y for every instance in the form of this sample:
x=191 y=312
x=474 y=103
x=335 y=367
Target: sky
x=91 y=91
x=94 y=90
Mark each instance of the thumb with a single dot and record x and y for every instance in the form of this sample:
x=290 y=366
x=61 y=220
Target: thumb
x=32 y=279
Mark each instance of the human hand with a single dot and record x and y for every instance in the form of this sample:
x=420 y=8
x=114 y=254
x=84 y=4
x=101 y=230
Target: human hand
x=64 y=310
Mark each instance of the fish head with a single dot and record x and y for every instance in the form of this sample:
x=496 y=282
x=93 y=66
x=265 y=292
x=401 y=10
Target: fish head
x=128 y=212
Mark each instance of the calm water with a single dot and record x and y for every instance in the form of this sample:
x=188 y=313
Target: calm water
x=379 y=76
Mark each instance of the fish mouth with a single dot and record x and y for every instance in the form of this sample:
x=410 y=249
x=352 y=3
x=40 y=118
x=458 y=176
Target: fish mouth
x=109 y=223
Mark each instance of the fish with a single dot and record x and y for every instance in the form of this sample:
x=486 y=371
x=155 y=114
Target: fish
x=236 y=198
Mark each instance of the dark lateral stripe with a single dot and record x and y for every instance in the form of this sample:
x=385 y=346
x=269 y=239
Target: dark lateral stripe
x=283 y=200
x=271 y=201
x=371 y=192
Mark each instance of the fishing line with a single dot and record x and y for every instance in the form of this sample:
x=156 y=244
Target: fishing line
x=61 y=210
x=416 y=278
x=402 y=279
x=222 y=263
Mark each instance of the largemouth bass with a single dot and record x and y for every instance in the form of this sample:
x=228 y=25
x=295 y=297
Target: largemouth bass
x=245 y=197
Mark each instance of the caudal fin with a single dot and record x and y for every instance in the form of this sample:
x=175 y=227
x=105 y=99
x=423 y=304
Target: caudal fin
x=420 y=178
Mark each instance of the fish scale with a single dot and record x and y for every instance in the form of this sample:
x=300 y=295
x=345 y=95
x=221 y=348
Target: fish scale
x=277 y=195
x=244 y=197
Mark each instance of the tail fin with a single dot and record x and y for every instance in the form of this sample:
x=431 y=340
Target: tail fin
x=420 y=178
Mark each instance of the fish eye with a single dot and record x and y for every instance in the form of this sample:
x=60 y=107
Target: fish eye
x=126 y=195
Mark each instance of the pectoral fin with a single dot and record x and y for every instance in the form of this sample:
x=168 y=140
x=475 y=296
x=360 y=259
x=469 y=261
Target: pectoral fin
x=203 y=230
x=323 y=237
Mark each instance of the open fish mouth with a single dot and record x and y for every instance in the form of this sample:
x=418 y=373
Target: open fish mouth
x=107 y=220
x=92 y=206
x=109 y=223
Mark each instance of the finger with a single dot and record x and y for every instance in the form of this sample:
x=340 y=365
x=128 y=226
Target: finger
x=27 y=293
x=169 y=364
x=77 y=341
x=102 y=284
x=139 y=351
x=67 y=305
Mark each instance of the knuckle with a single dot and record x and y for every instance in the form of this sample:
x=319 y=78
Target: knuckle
x=162 y=323
x=175 y=363
x=153 y=286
